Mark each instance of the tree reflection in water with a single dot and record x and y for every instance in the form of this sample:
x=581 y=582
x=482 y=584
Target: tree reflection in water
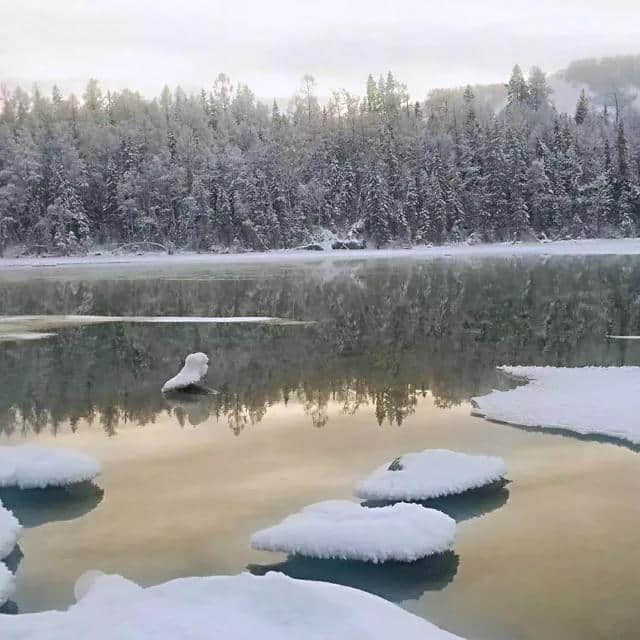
x=387 y=333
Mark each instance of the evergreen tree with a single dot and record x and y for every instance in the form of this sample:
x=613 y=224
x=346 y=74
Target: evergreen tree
x=219 y=169
x=538 y=89
x=582 y=108
x=517 y=89
x=377 y=207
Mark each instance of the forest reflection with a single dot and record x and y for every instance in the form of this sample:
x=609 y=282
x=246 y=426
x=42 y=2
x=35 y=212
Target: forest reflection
x=386 y=333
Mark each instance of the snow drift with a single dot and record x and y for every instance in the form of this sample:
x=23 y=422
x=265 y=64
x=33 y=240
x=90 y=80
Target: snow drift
x=271 y=607
x=195 y=368
x=433 y=473
x=602 y=401
x=347 y=531
x=36 y=467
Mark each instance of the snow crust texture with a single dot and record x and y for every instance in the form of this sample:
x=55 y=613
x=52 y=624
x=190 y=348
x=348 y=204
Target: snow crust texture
x=195 y=368
x=432 y=473
x=603 y=401
x=243 y=607
x=345 y=530
x=36 y=467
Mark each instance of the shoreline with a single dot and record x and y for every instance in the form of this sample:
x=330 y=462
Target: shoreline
x=626 y=246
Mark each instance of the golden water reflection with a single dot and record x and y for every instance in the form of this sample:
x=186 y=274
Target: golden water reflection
x=558 y=557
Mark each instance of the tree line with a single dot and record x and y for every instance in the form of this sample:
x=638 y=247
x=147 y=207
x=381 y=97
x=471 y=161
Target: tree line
x=220 y=170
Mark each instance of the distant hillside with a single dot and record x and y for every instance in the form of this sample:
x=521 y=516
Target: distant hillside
x=605 y=74
x=605 y=80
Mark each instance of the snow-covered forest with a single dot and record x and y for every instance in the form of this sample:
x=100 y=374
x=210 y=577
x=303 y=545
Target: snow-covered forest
x=220 y=170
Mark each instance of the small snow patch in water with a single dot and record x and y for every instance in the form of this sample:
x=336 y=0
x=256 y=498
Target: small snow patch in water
x=602 y=401
x=432 y=473
x=35 y=467
x=346 y=530
x=195 y=368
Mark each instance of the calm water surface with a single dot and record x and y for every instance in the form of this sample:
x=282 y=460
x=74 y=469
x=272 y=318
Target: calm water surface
x=397 y=350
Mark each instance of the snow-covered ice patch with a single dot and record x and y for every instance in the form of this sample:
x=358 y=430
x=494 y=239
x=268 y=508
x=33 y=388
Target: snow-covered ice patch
x=271 y=607
x=7 y=587
x=36 y=467
x=195 y=368
x=10 y=530
x=348 y=531
x=26 y=335
x=430 y=474
x=25 y=327
x=602 y=401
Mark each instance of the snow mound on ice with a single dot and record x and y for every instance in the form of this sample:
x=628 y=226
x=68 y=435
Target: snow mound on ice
x=271 y=607
x=10 y=530
x=346 y=530
x=433 y=473
x=602 y=401
x=7 y=585
x=195 y=368
x=35 y=467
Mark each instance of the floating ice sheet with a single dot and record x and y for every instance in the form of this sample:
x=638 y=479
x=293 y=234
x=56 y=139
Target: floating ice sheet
x=346 y=530
x=602 y=401
x=36 y=467
x=430 y=474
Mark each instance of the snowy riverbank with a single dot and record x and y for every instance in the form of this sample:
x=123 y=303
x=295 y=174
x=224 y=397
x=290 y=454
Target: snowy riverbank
x=244 y=606
x=627 y=246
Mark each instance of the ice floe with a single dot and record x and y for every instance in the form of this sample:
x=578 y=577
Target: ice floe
x=599 y=401
x=346 y=530
x=430 y=474
x=271 y=607
x=36 y=467
x=195 y=368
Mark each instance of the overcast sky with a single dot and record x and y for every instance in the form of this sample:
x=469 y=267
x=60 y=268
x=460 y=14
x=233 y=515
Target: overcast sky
x=270 y=44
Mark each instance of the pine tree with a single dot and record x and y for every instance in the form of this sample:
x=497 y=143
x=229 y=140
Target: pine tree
x=538 y=89
x=220 y=169
x=582 y=108
x=517 y=89
x=377 y=207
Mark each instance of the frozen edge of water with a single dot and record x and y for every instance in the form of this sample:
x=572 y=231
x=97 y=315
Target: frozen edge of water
x=272 y=607
x=625 y=246
x=591 y=403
